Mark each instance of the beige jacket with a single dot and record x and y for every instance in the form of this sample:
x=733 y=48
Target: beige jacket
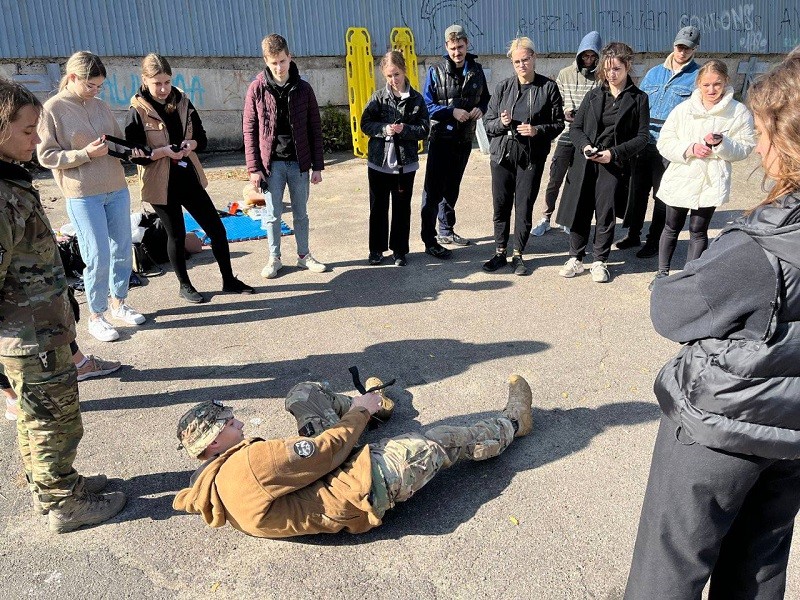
x=154 y=177
x=67 y=126
x=287 y=487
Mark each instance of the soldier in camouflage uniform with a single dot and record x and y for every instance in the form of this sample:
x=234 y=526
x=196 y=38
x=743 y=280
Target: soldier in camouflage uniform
x=320 y=482
x=36 y=328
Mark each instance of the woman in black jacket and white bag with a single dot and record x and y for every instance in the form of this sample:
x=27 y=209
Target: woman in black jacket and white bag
x=724 y=486
x=610 y=127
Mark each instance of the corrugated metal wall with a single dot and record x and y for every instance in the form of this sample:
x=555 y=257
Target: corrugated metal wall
x=229 y=28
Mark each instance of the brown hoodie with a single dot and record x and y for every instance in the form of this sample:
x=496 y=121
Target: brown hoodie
x=287 y=487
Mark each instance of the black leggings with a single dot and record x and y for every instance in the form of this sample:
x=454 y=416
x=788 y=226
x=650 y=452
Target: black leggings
x=198 y=204
x=5 y=384
x=698 y=233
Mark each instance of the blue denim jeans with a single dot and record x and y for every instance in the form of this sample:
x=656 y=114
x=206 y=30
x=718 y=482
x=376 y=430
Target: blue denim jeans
x=103 y=224
x=281 y=174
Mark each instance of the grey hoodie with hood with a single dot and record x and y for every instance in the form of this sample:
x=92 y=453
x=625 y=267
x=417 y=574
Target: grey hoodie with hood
x=735 y=384
x=575 y=81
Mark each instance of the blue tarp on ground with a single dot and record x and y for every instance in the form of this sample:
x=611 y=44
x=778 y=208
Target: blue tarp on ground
x=239 y=227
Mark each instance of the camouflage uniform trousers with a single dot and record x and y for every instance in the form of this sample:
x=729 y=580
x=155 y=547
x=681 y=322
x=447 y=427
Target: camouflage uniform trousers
x=49 y=425
x=404 y=464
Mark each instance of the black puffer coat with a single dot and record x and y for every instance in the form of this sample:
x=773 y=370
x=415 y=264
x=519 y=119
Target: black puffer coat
x=735 y=385
x=385 y=109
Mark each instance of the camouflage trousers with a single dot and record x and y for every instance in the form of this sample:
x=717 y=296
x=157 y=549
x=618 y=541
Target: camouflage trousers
x=49 y=425
x=402 y=465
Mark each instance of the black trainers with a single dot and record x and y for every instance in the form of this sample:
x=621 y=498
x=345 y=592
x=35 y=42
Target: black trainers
x=399 y=260
x=647 y=251
x=660 y=275
x=494 y=263
x=629 y=241
x=375 y=258
x=188 y=293
x=234 y=286
x=437 y=251
x=518 y=265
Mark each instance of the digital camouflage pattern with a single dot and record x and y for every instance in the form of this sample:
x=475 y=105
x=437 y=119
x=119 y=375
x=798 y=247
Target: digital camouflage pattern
x=35 y=315
x=49 y=425
x=201 y=424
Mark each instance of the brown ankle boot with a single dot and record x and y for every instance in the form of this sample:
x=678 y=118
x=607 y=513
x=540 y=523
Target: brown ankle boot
x=387 y=405
x=84 y=509
x=91 y=483
x=519 y=404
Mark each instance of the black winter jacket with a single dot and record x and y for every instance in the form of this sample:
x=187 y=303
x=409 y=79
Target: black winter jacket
x=735 y=385
x=384 y=109
x=443 y=93
x=546 y=112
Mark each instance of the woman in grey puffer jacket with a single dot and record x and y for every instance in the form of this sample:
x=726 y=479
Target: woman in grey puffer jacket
x=395 y=119
x=724 y=486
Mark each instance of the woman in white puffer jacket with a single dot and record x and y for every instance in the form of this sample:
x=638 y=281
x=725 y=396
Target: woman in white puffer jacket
x=701 y=138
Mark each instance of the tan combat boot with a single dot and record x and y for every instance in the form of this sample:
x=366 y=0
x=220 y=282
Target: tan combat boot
x=91 y=483
x=387 y=405
x=519 y=404
x=84 y=509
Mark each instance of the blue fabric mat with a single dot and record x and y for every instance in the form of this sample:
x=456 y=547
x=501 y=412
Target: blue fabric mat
x=238 y=228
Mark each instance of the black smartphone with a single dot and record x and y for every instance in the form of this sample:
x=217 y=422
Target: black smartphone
x=590 y=153
x=119 y=148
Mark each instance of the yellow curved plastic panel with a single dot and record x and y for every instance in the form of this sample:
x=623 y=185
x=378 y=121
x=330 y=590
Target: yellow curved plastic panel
x=360 y=83
x=402 y=39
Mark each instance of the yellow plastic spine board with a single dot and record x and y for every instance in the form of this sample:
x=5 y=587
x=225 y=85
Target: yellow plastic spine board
x=360 y=83
x=402 y=39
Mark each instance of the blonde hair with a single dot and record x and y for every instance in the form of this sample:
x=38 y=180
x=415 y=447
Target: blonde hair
x=154 y=64
x=521 y=43
x=13 y=98
x=394 y=58
x=714 y=66
x=84 y=65
x=775 y=100
x=619 y=50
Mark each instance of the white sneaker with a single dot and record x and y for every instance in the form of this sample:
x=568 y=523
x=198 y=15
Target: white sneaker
x=11 y=409
x=311 y=263
x=127 y=314
x=273 y=266
x=599 y=272
x=572 y=267
x=542 y=227
x=103 y=330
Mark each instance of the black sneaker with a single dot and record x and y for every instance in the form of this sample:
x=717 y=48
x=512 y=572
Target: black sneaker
x=647 y=251
x=234 y=286
x=518 y=265
x=660 y=275
x=494 y=263
x=399 y=260
x=375 y=258
x=629 y=241
x=437 y=251
x=188 y=293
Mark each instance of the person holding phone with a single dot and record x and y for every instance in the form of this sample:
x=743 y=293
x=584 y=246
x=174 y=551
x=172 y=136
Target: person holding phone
x=163 y=118
x=701 y=137
x=609 y=129
x=98 y=202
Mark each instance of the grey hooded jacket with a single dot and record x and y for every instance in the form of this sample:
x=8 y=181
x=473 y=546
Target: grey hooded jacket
x=735 y=385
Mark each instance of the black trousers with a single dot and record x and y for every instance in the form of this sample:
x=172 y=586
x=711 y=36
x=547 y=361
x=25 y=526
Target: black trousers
x=713 y=514
x=382 y=186
x=562 y=161
x=646 y=176
x=517 y=188
x=698 y=233
x=597 y=198
x=447 y=160
x=198 y=204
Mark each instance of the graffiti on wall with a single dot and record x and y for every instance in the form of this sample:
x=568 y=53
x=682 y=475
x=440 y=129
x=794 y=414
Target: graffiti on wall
x=118 y=89
x=789 y=28
x=741 y=19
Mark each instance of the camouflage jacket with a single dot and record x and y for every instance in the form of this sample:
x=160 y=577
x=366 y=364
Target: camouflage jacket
x=35 y=315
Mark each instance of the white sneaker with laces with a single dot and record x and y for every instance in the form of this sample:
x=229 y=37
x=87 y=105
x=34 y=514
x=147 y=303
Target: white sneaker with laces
x=599 y=272
x=571 y=268
x=102 y=329
x=311 y=263
x=125 y=313
x=273 y=266
x=542 y=227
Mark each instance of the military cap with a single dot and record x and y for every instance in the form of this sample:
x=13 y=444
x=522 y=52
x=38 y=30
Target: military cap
x=199 y=426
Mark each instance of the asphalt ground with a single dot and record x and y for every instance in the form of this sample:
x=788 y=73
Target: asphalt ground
x=555 y=517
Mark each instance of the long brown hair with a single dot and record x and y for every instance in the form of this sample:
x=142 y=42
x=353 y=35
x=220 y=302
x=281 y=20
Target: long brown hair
x=154 y=64
x=13 y=98
x=619 y=50
x=775 y=100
